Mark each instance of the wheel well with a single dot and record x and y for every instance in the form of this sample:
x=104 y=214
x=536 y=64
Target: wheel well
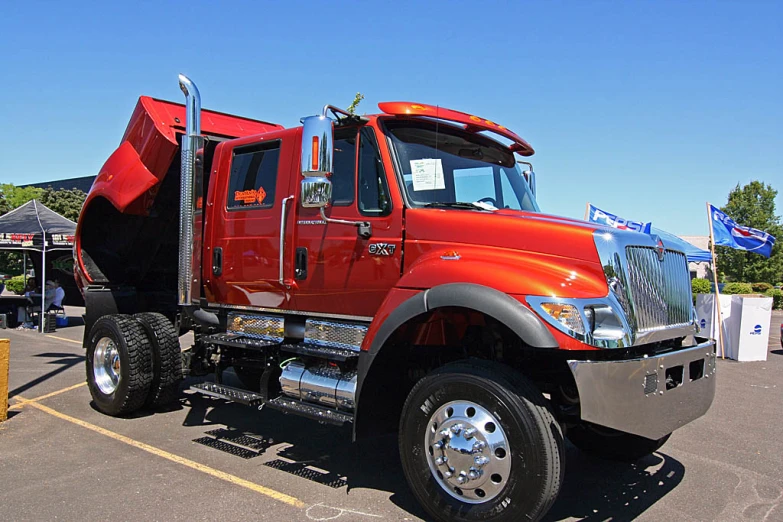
x=438 y=337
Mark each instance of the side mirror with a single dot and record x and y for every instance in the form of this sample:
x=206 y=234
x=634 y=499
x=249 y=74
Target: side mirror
x=317 y=146
x=316 y=192
x=530 y=176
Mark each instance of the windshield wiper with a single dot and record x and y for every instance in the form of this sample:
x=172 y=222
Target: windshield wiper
x=456 y=204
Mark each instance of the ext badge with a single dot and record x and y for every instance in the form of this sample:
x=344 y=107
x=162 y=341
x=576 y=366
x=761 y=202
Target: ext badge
x=382 y=249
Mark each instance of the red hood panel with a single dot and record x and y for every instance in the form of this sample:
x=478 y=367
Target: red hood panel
x=528 y=231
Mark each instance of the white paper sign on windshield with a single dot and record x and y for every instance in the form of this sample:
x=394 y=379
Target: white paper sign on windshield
x=427 y=174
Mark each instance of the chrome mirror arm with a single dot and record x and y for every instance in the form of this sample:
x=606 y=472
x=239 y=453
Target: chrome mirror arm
x=365 y=227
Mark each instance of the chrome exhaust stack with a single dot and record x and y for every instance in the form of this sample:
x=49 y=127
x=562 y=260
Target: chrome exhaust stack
x=191 y=143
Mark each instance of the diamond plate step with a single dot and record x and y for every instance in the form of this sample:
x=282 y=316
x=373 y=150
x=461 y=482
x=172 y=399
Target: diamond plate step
x=228 y=393
x=237 y=341
x=311 y=411
x=324 y=352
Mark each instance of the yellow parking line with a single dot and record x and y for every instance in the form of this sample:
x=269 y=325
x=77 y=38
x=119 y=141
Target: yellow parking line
x=42 y=397
x=276 y=495
x=63 y=339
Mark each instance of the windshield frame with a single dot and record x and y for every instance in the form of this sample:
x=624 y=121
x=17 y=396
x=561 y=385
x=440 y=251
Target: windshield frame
x=398 y=170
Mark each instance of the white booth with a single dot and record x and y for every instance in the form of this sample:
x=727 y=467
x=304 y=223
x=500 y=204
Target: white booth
x=746 y=321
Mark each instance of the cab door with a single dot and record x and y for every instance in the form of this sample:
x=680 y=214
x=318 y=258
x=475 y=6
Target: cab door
x=242 y=255
x=336 y=271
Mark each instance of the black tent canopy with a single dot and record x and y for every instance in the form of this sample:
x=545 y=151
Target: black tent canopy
x=34 y=227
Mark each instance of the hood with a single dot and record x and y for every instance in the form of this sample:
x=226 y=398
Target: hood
x=511 y=229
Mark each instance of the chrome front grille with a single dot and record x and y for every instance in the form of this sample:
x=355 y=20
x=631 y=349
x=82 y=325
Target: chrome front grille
x=660 y=290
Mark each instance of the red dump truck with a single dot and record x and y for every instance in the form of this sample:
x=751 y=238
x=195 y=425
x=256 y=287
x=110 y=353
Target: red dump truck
x=391 y=271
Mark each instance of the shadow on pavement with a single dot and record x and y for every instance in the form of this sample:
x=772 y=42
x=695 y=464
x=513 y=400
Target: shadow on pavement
x=596 y=489
x=65 y=360
x=371 y=464
x=777 y=352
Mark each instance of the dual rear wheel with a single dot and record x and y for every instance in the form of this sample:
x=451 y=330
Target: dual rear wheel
x=132 y=362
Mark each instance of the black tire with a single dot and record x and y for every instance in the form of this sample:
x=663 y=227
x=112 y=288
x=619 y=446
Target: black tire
x=534 y=438
x=135 y=364
x=612 y=444
x=166 y=358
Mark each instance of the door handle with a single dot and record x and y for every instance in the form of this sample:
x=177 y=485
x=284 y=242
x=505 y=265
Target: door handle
x=281 y=250
x=217 y=261
x=300 y=272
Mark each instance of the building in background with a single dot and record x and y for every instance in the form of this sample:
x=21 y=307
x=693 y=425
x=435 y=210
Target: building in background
x=700 y=270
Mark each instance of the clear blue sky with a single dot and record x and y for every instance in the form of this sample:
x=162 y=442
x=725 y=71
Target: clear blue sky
x=646 y=109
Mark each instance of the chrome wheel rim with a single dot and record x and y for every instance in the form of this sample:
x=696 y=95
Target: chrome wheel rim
x=468 y=452
x=106 y=365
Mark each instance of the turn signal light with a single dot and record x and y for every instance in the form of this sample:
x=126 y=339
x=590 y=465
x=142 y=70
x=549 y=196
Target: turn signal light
x=565 y=314
x=315 y=153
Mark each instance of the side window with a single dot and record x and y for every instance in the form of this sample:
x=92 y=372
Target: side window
x=373 y=191
x=253 y=176
x=510 y=199
x=344 y=175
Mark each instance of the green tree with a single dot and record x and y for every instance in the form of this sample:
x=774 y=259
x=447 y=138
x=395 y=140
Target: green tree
x=67 y=203
x=18 y=196
x=753 y=206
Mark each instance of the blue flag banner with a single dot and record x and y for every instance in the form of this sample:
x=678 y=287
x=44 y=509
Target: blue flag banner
x=728 y=233
x=596 y=215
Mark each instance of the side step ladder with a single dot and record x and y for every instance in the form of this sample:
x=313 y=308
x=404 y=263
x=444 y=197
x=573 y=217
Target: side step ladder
x=283 y=404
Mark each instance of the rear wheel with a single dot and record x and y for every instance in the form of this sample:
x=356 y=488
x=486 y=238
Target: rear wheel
x=166 y=358
x=119 y=364
x=612 y=444
x=477 y=442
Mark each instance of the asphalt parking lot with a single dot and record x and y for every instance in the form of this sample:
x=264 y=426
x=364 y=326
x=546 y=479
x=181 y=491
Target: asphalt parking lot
x=206 y=459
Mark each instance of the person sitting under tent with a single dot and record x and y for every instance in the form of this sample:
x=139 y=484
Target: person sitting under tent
x=53 y=299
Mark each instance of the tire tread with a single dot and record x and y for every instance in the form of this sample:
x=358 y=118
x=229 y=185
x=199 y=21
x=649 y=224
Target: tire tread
x=167 y=359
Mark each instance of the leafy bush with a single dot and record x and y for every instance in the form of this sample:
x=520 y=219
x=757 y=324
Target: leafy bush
x=16 y=284
x=761 y=287
x=777 y=298
x=700 y=286
x=737 y=288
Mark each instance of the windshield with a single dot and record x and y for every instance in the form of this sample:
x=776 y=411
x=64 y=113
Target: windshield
x=443 y=165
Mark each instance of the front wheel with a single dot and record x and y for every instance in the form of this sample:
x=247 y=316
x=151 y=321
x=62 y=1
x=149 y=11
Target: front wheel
x=477 y=442
x=612 y=444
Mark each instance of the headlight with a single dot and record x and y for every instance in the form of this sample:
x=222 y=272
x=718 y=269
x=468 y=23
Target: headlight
x=598 y=322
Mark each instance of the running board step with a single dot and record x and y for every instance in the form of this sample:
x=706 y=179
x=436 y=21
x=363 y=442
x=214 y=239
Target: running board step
x=284 y=404
x=324 y=352
x=228 y=393
x=235 y=340
x=311 y=411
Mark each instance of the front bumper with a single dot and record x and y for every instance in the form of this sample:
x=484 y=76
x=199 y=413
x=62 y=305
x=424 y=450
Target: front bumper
x=650 y=396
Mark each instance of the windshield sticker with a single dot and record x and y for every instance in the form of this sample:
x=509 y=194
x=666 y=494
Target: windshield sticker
x=427 y=174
